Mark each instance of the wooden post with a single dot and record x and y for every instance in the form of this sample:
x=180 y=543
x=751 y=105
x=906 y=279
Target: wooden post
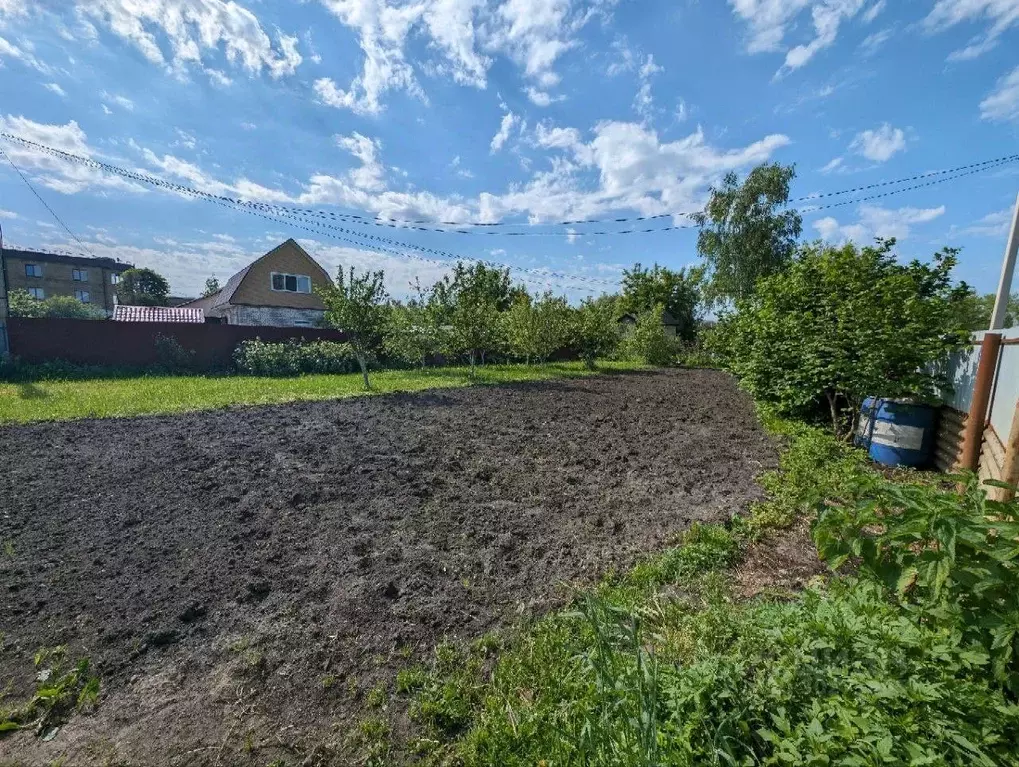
x=974 y=436
x=1010 y=469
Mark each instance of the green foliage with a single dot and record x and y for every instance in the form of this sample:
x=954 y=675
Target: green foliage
x=142 y=287
x=745 y=235
x=293 y=357
x=840 y=324
x=648 y=342
x=537 y=328
x=356 y=304
x=22 y=304
x=595 y=332
x=416 y=331
x=950 y=559
x=211 y=287
x=677 y=292
x=974 y=311
x=486 y=284
x=61 y=688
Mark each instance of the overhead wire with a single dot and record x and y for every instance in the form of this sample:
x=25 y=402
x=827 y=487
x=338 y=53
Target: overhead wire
x=946 y=175
x=45 y=204
x=372 y=240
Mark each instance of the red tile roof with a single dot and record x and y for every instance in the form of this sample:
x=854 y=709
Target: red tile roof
x=157 y=314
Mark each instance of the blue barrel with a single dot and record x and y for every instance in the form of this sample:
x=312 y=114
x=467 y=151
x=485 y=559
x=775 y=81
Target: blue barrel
x=896 y=432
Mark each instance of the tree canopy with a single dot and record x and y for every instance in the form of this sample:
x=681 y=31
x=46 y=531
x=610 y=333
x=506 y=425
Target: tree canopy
x=356 y=304
x=143 y=287
x=22 y=304
x=745 y=234
x=678 y=292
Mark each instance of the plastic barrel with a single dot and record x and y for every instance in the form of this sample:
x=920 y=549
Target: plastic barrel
x=896 y=432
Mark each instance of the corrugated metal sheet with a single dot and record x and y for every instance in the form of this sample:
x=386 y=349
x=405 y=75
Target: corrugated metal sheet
x=158 y=314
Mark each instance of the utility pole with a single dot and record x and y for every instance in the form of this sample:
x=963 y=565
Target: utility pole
x=5 y=304
x=1007 y=270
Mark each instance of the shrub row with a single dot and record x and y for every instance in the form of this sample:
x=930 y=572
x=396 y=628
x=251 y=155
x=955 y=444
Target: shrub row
x=291 y=358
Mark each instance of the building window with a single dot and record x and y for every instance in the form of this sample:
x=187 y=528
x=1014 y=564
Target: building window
x=114 y=279
x=291 y=283
x=33 y=270
x=79 y=275
x=37 y=293
x=82 y=295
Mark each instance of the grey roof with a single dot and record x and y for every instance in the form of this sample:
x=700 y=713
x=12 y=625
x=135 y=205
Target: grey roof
x=60 y=258
x=667 y=319
x=221 y=296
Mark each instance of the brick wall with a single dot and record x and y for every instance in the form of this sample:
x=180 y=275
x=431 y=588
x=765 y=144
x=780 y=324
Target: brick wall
x=278 y=316
x=133 y=344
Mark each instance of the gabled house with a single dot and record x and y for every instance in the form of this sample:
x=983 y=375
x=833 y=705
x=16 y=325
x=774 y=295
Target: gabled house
x=278 y=289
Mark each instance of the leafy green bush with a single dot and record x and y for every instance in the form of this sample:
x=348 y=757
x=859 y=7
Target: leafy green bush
x=840 y=324
x=172 y=356
x=648 y=341
x=291 y=358
x=950 y=560
x=595 y=332
x=22 y=304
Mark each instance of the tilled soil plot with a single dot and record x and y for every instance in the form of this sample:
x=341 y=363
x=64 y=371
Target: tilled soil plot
x=240 y=578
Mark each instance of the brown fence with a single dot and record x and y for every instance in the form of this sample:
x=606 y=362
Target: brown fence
x=133 y=344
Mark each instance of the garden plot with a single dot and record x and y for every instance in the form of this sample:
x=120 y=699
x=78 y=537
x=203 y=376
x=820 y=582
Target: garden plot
x=247 y=582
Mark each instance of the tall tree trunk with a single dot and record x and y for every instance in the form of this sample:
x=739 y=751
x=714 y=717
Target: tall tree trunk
x=834 y=411
x=472 y=356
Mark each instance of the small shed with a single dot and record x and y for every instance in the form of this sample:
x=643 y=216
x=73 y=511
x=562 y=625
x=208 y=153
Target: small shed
x=671 y=325
x=123 y=313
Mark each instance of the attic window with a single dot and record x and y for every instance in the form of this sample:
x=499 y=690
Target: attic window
x=291 y=283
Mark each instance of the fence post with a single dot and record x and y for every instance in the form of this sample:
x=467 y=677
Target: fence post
x=1010 y=470
x=974 y=434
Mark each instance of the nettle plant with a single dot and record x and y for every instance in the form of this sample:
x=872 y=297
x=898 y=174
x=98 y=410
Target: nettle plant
x=950 y=559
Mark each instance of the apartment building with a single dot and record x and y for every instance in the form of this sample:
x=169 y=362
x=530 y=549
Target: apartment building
x=90 y=280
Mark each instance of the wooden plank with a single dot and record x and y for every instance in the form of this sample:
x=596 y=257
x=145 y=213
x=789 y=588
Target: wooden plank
x=994 y=450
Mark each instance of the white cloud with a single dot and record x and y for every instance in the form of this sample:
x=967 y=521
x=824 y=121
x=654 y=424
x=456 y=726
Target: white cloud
x=8 y=214
x=106 y=109
x=1000 y=16
x=56 y=89
x=879 y=145
x=643 y=102
x=874 y=11
x=12 y=7
x=875 y=221
x=193 y=28
x=457 y=166
x=57 y=174
x=464 y=35
x=769 y=21
x=218 y=78
x=875 y=40
x=834 y=165
x=121 y=101
x=541 y=98
x=994 y=224
x=499 y=139
x=1003 y=102
x=11 y=51
x=371 y=175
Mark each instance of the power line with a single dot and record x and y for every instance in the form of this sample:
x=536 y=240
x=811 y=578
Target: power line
x=289 y=213
x=44 y=203
x=418 y=225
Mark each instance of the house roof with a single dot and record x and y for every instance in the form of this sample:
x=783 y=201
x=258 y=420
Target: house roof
x=225 y=294
x=59 y=258
x=125 y=313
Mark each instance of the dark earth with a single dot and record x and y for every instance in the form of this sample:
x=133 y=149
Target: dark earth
x=241 y=579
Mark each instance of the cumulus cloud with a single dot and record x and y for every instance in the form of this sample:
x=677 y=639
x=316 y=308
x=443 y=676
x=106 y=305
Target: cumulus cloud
x=1003 y=102
x=879 y=145
x=191 y=29
x=370 y=175
x=1000 y=16
x=874 y=221
x=10 y=214
x=463 y=35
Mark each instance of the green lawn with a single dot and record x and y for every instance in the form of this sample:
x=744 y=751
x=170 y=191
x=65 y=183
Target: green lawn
x=144 y=395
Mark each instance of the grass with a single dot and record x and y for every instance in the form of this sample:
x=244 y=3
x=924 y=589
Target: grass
x=152 y=395
x=665 y=665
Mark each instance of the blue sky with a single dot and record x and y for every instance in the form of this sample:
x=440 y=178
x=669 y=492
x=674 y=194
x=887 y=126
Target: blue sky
x=525 y=112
